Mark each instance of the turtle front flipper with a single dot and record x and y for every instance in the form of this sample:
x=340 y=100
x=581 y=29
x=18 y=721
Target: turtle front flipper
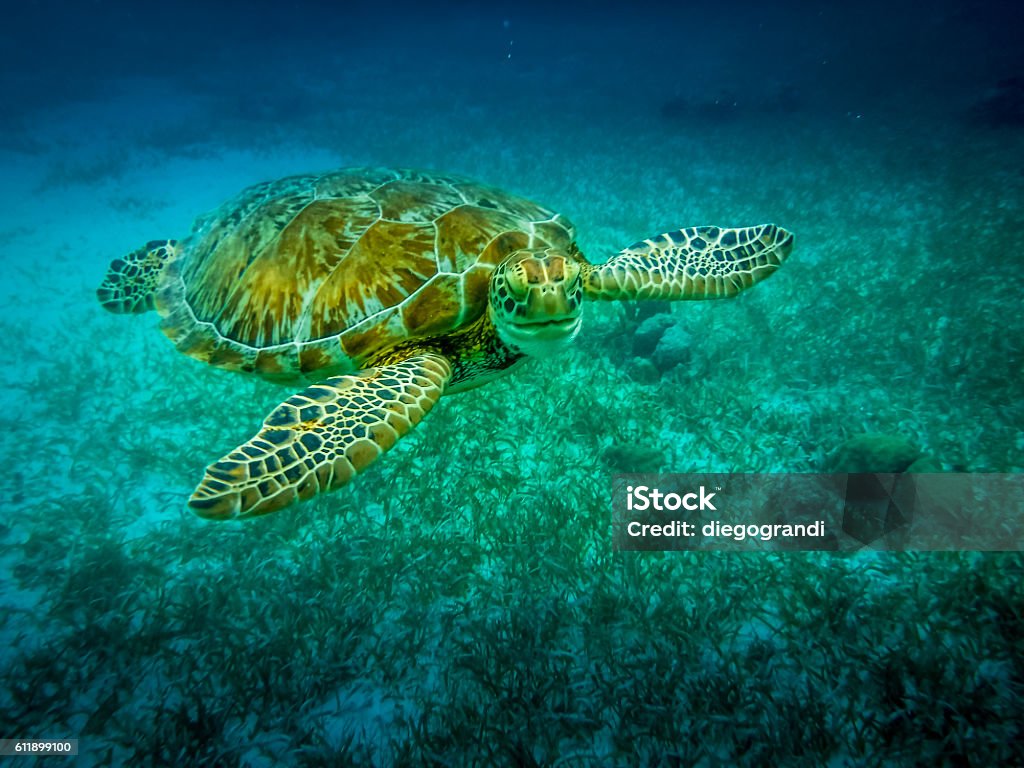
x=131 y=282
x=317 y=440
x=694 y=263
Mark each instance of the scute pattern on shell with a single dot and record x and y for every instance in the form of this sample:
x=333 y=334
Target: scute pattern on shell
x=317 y=273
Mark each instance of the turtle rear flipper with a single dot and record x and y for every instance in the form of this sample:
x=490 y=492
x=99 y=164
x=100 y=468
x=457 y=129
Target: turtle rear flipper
x=318 y=439
x=694 y=263
x=131 y=282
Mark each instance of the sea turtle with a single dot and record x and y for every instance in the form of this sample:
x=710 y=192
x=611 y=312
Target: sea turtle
x=386 y=289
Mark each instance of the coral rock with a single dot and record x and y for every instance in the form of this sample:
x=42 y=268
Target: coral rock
x=674 y=348
x=874 y=452
x=649 y=333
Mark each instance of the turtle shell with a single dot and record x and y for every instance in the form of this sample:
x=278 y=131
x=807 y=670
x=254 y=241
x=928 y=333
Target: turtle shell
x=318 y=273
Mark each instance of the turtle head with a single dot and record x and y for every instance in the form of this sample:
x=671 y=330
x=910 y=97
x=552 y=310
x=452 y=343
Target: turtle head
x=536 y=300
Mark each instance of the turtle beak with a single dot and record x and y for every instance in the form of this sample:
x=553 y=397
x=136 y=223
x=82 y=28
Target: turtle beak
x=541 y=337
x=547 y=308
x=548 y=329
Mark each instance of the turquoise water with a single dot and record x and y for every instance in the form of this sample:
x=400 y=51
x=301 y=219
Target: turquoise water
x=460 y=602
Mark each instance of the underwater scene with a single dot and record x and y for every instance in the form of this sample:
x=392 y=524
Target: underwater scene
x=174 y=590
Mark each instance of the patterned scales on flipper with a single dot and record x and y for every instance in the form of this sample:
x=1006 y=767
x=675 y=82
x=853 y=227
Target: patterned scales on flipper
x=694 y=263
x=131 y=282
x=316 y=274
x=319 y=439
